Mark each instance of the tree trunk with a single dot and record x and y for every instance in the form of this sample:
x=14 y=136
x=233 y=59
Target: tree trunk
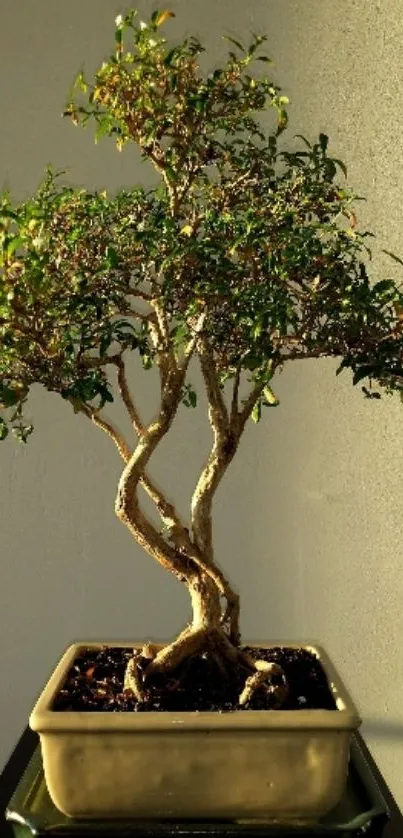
x=206 y=604
x=212 y=629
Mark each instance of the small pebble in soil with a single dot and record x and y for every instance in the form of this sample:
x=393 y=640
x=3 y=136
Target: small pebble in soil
x=95 y=683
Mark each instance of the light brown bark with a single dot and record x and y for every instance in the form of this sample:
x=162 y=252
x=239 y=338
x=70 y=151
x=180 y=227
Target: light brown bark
x=189 y=556
x=127 y=505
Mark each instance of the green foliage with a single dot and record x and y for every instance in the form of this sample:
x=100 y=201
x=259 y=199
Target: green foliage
x=264 y=242
x=189 y=396
x=66 y=275
x=267 y=399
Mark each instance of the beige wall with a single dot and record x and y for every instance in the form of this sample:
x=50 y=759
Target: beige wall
x=309 y=520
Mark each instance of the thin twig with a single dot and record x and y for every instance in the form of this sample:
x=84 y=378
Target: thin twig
x=138 y=293
x=242 y=417
x=140 y=315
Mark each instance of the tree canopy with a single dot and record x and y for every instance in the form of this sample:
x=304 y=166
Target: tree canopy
x=254 y=248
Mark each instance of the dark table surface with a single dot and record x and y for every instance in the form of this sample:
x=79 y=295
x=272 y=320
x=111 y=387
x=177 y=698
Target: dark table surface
x=29 y=740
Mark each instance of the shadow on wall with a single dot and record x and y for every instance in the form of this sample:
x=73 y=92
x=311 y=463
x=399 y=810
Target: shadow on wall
x=379 y=727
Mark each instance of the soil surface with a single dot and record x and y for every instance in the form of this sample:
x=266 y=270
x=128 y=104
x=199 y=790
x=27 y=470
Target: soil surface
x=95 y=683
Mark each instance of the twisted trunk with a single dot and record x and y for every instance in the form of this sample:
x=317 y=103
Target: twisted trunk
x=184 y=558
x=190 y=558
x=206 y=604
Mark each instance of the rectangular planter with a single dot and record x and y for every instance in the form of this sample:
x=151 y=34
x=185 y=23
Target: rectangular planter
x=280 y=765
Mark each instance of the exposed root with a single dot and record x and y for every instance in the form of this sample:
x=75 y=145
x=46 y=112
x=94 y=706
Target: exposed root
x=227 y=657
x=223 y=670
x=134 y=680
x=264 y=671
x=223 y=653
x=189 y=643
x=230 y=616
x=149 y=651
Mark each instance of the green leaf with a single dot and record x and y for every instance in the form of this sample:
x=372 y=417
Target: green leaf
x=13 y=245
x=282 y=121
x=256 y=412
x=342 y=366
x=180 y=333
x=259 y=39
x=252 y=362
x=363 y=372
x=323 y=142
x=188 y=395
x=233 y=41
x=384 y=285
x=112 y=257
x=270 y=399
x=80 y=82
x=330 y=169
x=106 y=395
x=3 y=429
x=169 y=58
x=160 y=18
x=104 y=343
x=369 y=394
x=341 y=166
x=102 y=130
x=300 y=137
x=272 y=143
x=8 y=397
x=147 y=361
x=8 y=214
x=76 y=403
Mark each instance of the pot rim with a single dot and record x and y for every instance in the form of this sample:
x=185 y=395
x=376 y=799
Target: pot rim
x=44 y=719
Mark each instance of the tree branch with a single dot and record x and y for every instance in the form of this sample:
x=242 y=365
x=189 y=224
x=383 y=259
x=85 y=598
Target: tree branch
x=196 y=327
x=121 y=444
x=184 y=554
x=243 y=415
x=127 y=397
x=217 y=408
x=137 y=292
x=219 y=457
x=127 y=506
x=226 y=439
x=241 y=418
x=162 y=344
x=222 y=452
x=166 y=509
x=145 y=317
x=179 y=534
x=170 y=557
x=235 y=394
x=217 y=464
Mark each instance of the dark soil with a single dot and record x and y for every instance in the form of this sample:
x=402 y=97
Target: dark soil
x=95 y=683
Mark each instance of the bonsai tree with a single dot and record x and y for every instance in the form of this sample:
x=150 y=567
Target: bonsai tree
x=244 y=256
